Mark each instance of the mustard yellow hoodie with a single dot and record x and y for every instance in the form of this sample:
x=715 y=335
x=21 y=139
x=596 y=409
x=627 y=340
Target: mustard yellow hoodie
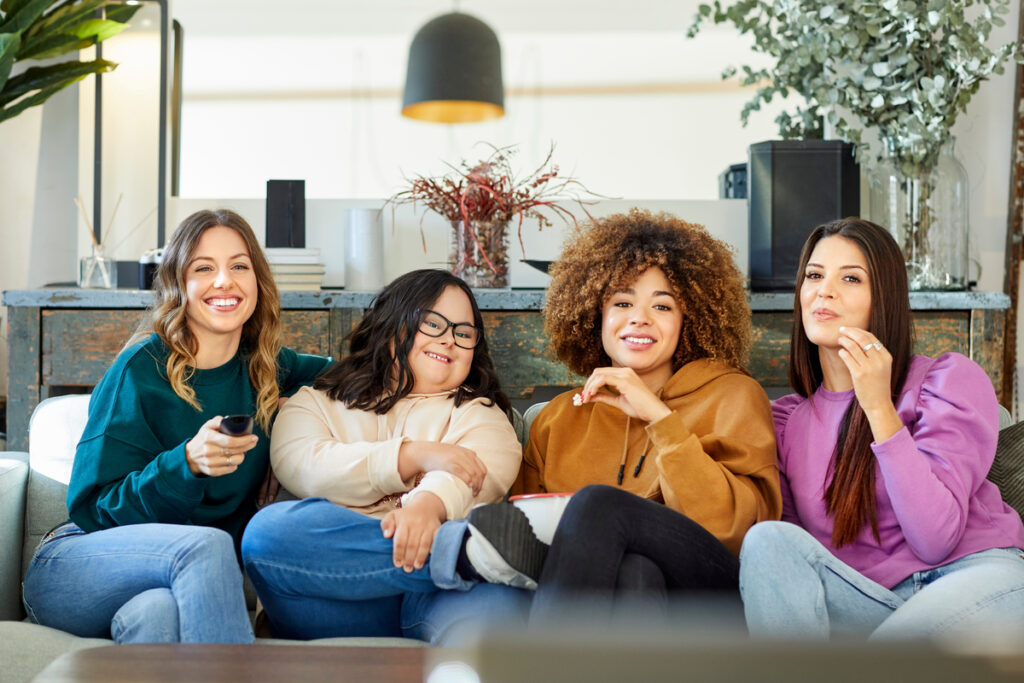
x=712 y=459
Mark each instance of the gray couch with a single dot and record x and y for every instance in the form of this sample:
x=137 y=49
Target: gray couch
x=32 y=491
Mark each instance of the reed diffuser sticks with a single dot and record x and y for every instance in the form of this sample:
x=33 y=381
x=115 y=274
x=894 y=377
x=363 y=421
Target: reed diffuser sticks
x=90 y=264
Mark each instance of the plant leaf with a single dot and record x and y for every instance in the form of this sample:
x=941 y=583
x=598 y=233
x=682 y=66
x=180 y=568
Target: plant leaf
x=42 y=77
x=9 y=7
x=122 y=13
x=9 y=43
x=100 y=29
x=53 y=46
x=66 y=17
x=25 y=16
x=38 y=98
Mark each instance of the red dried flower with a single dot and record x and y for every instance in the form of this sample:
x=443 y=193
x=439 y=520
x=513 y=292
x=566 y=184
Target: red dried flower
x=489 y=190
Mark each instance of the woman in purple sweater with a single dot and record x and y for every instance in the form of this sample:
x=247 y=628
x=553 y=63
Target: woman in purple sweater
x=890 y=528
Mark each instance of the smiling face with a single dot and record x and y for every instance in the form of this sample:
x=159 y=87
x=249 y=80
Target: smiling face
x=221 y=288
x=640 y=326
x=437 y=364
x=836 y=291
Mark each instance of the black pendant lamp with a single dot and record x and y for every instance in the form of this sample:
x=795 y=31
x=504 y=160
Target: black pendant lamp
x=454 y=72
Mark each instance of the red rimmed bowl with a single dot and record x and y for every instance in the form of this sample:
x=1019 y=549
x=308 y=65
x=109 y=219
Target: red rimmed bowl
x=543 y=510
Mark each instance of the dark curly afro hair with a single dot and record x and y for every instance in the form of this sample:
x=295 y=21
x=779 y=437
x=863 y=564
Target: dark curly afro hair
x=613 y=252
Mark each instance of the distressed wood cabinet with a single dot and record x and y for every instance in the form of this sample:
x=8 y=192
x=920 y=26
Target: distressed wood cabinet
x=62 y=340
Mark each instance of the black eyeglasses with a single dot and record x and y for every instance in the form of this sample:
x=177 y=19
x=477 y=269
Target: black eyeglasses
x=433 y=324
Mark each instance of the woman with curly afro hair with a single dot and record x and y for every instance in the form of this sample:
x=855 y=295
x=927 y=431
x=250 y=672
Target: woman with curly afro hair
x=669 y=443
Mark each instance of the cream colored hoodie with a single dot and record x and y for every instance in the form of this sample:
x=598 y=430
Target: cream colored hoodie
x=322 y=448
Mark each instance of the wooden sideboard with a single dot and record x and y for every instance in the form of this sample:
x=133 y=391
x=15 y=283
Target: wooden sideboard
x=62 y=340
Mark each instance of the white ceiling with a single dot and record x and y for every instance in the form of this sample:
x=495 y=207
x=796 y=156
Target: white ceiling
x=270 y=17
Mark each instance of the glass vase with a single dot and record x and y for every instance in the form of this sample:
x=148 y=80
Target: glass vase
x=926 y=211
x=96 y=271
x=479 y=252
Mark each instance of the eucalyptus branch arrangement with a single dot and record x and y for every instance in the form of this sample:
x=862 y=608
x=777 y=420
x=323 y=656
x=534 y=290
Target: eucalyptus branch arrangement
x=905 y=68
x=45 y=29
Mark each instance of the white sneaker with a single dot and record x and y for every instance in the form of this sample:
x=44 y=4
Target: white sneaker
x=502 y=546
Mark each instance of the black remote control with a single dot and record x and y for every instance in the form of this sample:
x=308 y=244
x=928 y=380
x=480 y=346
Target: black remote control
x=236 y=425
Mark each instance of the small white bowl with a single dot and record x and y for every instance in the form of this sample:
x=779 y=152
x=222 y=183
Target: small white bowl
x=543 y=510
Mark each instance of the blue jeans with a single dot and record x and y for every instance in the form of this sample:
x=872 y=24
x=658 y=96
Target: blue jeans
x=322 y=570
x=140 y=583
x=793 y=587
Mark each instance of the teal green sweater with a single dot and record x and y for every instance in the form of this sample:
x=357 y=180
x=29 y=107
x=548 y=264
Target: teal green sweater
x=130 y=465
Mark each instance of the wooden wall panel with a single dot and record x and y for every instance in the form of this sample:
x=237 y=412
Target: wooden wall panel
x=307 y=331
x=79 y=345
x=769 y=353
x=60 y=350
x=938 y=332
x=986 y=348
x=22 y=373
x=519 y=350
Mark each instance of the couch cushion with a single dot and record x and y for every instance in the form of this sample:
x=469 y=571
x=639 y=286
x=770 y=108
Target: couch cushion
x=57 y=425
x=1008 y=468
x=528 y=417
x=26 y=649
x=13 y=480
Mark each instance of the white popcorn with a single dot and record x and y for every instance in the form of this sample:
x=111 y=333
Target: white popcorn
x=577 y=399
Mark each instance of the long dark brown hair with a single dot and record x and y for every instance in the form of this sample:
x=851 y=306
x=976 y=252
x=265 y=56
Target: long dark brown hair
x=375 y=374
x=850 y=495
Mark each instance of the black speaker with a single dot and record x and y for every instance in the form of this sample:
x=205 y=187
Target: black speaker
x=793 y=186
x=286 y=213
x=732 y=182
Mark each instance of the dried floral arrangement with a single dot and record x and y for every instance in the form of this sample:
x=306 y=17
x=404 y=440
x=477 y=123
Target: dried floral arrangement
x=904 y=68
x=489 y=191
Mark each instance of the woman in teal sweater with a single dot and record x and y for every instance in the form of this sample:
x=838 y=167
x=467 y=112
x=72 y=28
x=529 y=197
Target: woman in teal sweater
x=159 y=496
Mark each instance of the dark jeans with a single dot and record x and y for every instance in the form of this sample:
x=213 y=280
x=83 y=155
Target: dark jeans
x=612 y=543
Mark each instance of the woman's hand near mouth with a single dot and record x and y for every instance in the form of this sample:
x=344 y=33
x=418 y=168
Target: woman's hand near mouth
x=622 y=388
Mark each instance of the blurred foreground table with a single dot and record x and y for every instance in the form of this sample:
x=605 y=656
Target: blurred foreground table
x=162 y=663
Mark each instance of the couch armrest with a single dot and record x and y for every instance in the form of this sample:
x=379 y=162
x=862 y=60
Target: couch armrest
x=13 y=485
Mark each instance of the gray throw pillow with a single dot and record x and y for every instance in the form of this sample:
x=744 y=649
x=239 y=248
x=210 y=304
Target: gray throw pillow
x=1008 y=468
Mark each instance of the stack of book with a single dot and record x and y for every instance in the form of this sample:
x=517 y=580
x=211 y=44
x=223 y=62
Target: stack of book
x=295 y=268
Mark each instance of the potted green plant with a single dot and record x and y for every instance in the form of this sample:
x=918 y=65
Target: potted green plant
x=481 y=199
x=32 y=30
x=901 y=70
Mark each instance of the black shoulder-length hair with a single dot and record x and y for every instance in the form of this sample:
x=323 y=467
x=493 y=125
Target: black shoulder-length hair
x=850 y=495
x=375 y=374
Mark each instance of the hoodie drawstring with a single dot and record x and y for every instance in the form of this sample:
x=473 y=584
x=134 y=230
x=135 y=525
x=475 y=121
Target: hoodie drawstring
x=625 y=448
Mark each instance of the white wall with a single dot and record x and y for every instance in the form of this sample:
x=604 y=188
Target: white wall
x=326 y=221
x=38 y=223
x=326 y=109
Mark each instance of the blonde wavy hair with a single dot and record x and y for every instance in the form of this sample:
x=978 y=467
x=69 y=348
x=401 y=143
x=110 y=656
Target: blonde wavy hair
x=261 y=334
x=613 y=252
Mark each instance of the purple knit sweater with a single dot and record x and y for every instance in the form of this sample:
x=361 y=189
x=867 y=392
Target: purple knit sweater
x=934 y=503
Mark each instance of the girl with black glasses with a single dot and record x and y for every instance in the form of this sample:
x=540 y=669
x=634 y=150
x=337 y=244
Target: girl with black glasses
x=391 y=449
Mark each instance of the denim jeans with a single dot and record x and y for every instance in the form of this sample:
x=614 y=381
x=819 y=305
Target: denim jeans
x=613 y=544
x=793 y=587
x=322 y=570
x=140 y=583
